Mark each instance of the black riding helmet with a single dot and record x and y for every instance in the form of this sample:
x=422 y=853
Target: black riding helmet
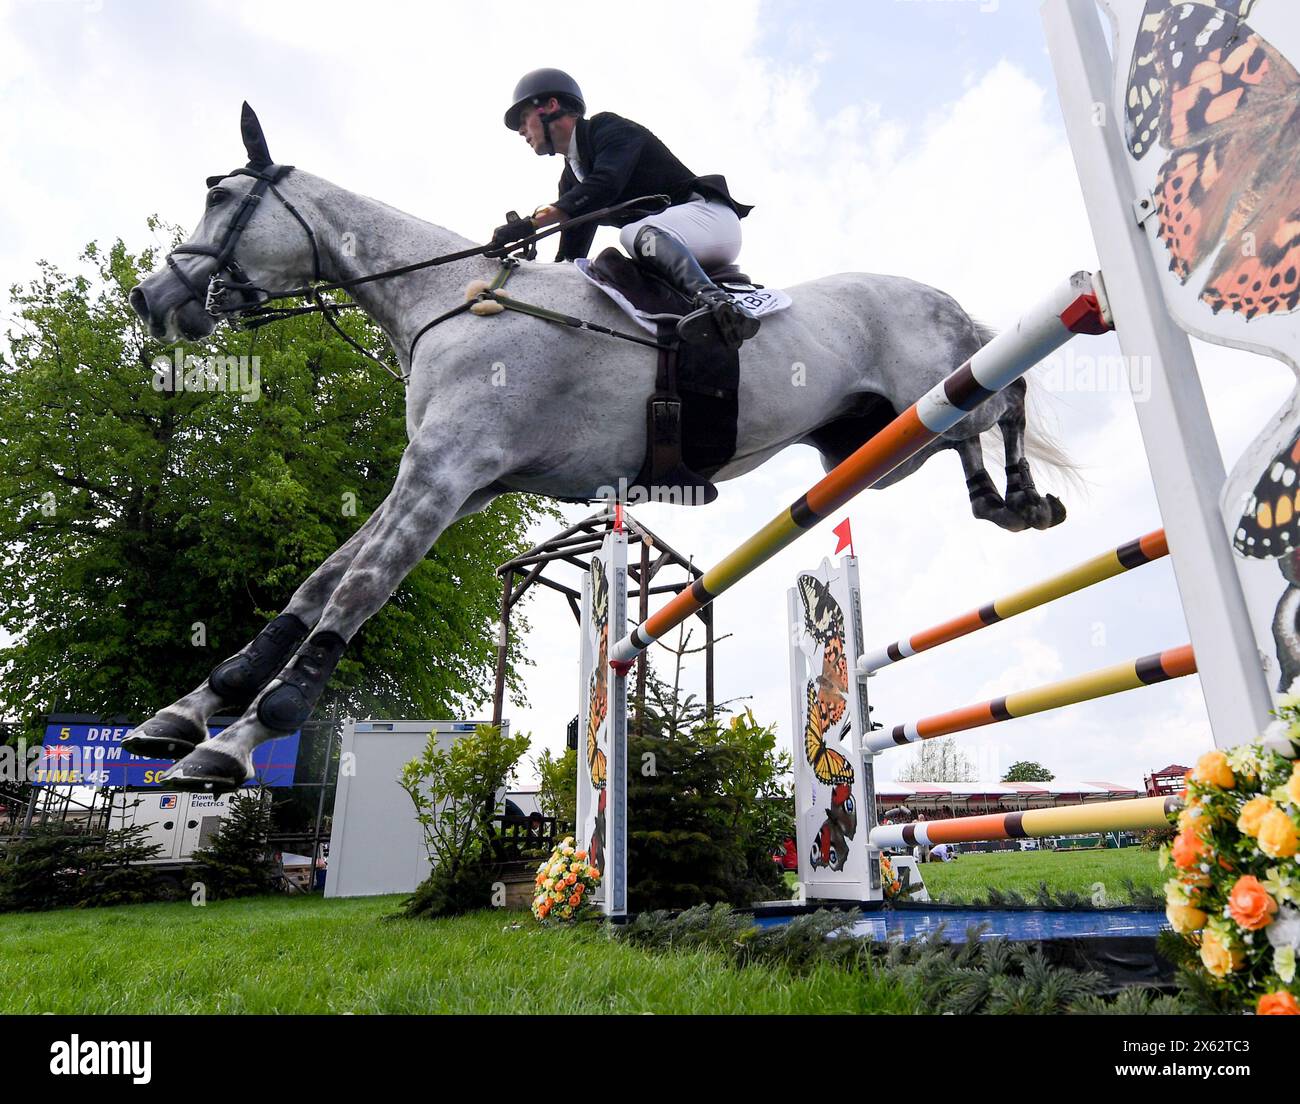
x=539 y=86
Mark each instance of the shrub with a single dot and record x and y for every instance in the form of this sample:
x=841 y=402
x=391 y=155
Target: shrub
x=238 y=862
x=53 y=869
x=454 y=792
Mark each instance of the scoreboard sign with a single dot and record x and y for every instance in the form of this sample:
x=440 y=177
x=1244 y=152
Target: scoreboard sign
x=89 y=754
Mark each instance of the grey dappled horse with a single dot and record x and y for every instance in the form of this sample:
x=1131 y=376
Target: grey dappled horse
x=514 y=403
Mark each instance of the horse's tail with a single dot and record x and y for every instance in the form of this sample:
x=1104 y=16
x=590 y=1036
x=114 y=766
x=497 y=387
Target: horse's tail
x=1042 y=447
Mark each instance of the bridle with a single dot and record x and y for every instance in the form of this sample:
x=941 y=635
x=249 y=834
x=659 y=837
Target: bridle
x=214 y=300
x=253 y=311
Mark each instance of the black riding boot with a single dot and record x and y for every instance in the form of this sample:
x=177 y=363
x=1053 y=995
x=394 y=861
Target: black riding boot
x=715 y=316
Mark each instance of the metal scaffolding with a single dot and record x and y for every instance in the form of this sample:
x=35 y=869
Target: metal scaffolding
x=566 y=549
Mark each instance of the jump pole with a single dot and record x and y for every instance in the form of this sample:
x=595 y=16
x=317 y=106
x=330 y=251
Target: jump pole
x=1147 y=671
x=1077 y=306
x=1126 y=557
x=1103 y=816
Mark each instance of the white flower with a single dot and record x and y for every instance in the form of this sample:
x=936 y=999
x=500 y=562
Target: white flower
x=1276 y=738
x=1284 y=932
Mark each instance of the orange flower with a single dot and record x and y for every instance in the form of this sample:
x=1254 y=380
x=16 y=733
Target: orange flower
x=576 y=899
x=1293 y=785
x=1185 y=919
x=1277 y=835
x=1219 y=956
x=1191 y=820
x=1212 y=770
x=1188 y=850
x=1252 y=814
x=1250 y=904
x=1280 y=1003
x=579 y=889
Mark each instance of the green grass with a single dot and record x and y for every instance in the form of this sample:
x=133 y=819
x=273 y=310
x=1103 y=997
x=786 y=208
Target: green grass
x=310 y=955
x=972 y=875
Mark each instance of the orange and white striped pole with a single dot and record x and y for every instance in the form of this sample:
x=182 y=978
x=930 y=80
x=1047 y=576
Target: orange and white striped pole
x=1147 y=671
x=1073 y=308
x=1126 y=557
x=1102 y=816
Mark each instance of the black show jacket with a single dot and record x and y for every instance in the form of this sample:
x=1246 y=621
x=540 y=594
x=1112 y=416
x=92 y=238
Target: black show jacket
x=622 y=160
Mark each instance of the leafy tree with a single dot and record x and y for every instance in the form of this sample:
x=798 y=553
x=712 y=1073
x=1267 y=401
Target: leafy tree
x=153 y=532
x=1027 y=771
x=558 y=795
x=938 y=761
x=54 y=868
x=705 y=813
x=238 y=862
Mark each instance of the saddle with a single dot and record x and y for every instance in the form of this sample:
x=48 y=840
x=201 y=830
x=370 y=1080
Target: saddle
x=691 y=415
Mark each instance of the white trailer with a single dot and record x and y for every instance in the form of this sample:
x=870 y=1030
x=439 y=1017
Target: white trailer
x=180 y=823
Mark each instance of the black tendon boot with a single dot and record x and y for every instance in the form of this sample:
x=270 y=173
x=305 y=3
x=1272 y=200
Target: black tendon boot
x=174 y=733
x=716 y=316
x=295 y=691
x=238 y=679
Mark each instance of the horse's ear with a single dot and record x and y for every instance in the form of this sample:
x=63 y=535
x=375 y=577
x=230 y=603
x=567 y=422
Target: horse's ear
x=259 y=157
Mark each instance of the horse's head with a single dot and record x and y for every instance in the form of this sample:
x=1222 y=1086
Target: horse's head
x=244 y=249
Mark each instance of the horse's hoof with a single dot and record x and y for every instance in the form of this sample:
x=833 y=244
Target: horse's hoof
x=207 y=770
x=164 y=736
x=1058 y=510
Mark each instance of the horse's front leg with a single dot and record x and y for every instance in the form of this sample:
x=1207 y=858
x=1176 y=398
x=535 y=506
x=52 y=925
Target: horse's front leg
x=436 y=477
x=231 y=686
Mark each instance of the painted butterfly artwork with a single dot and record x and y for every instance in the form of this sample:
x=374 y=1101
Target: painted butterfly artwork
x=598 y=689
x=1270 y=524
x=1224 y=104
x=830 y=846
x=827 y=693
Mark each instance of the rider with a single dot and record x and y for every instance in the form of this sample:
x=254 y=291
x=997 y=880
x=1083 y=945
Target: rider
x=609 y=159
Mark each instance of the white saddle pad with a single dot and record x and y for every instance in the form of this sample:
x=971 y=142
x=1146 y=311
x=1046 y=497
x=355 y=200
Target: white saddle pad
x=755 y=301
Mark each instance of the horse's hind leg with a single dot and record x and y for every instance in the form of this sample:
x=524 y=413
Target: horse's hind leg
x=985 y=502
x=231 y=686
x=1022 y=496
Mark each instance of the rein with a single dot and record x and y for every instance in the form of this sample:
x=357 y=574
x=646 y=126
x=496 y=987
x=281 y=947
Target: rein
x=253 y=311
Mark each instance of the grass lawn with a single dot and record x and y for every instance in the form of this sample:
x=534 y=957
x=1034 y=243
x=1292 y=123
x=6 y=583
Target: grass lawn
x=972 y=875
x=311 y=955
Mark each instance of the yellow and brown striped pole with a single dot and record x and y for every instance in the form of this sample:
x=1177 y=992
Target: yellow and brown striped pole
x=1102 y=816
x=1126 y=557
x=1147 y=671
x=1073 y=308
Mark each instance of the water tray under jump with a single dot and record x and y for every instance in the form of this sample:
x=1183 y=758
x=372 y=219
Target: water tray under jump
x=1119 y=943
x=1035 y=924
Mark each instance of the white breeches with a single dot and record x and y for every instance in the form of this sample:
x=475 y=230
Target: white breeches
x=707 y=227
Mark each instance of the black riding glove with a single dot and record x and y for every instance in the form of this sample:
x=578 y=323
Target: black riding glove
x=513 y=231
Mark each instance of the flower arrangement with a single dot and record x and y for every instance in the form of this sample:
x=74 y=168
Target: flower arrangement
x=565 y=883
x=888 y=879
x=1234 y=893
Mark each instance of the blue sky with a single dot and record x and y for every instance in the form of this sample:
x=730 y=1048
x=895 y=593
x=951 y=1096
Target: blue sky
x=912 y=56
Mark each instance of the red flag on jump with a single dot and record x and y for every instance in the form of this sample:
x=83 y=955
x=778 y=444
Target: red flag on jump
x=844 y=531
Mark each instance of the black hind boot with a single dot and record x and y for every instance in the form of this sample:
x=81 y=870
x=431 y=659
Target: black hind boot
x=716 y=316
